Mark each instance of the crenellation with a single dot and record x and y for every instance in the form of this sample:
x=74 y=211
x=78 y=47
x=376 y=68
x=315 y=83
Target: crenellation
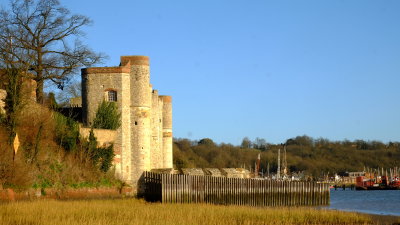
x=135 y=60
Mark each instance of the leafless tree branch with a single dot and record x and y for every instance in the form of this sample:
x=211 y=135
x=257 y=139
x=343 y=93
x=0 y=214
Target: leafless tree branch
x=43 y=36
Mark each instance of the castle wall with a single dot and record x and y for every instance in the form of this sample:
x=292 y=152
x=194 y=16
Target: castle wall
x=156 y=125
x=3 y=95
x=85 y=102
x=167 y=131
x=104 y=137
x=125 y=155
x=95 y=86
x=27 y=93
x=160 y=132
x=140 y=115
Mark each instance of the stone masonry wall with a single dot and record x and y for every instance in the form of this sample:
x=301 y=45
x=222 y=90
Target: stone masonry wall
x=3 y=95
x=125 y=155
x=28 y=91
x=167 y=131
x=104 y=137
x=160 y=132
x=95 y=91
x=156 y=145
x=140 y=119
x=96 y=87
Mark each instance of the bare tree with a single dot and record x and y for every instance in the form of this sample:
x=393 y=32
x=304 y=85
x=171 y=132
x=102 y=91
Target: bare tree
x=73 y=90
x=45 y=38
x=260 y=143
x=246 y=143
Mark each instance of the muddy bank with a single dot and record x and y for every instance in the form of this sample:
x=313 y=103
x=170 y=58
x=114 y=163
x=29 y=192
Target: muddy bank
x=9 y=195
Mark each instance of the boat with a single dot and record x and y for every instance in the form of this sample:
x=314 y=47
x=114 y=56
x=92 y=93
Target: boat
x=371 y=182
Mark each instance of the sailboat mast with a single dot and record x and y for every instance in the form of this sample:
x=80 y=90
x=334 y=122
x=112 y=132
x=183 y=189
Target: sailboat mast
x=258 y=164
x=284 y=161
x=278 y=171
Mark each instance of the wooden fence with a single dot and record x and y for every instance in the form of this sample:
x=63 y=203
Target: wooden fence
x=169 y=188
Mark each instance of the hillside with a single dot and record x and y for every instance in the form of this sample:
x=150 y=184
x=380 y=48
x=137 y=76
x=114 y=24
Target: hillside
x=315 y=157
x=50 y=153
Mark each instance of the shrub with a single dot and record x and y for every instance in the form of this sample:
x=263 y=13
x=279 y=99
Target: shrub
x=51 y=101
x=67 y=132
x=107 y=116
x=101 y=156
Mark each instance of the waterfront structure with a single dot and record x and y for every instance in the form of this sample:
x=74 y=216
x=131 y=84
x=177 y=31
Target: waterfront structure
x=144 y=140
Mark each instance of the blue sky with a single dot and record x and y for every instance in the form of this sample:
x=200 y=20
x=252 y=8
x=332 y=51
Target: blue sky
x=269 y=69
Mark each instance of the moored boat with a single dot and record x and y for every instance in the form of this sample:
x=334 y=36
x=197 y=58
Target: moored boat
x=377 y=183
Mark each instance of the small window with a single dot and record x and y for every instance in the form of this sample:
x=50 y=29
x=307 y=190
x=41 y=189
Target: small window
x=135 y=122
x=112 y=96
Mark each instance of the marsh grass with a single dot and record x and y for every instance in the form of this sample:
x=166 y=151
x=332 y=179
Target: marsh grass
x=134 y=211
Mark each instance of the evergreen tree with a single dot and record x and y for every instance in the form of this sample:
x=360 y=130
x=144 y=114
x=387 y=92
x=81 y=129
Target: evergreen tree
x=107 y=116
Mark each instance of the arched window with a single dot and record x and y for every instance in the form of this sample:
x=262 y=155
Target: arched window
x=111 y=96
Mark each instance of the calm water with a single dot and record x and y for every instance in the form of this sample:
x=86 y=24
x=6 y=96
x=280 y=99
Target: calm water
x=373 y=202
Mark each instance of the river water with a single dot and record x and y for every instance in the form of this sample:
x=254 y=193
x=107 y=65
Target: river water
x=373 y=202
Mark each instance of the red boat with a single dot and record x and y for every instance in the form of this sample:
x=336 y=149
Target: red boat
x=377 y=183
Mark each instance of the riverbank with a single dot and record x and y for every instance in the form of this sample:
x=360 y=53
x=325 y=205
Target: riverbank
x=377 y=219
x=384 y=219
x=135 y=211
x=10 y=195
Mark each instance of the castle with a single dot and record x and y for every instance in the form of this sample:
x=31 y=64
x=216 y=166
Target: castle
x=144 y=140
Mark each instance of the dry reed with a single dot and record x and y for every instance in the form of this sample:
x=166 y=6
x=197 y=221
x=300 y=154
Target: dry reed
x=133 y=211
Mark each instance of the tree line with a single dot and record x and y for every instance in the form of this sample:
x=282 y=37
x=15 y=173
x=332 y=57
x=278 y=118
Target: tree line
x=315 y=157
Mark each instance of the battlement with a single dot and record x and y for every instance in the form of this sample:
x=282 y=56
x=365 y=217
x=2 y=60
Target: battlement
x=116 y=69
x=135 y=60
x=166 y=98
x=126 y=62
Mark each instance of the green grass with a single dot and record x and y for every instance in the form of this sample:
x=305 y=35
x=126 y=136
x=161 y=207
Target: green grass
x=134 y=211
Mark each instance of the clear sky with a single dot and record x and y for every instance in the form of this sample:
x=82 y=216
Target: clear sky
x=258 y=68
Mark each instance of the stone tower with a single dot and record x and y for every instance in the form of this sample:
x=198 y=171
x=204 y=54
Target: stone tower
x=167 y=131
x=144 y=140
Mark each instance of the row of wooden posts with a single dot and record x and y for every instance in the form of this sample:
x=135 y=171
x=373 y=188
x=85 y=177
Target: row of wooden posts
x=172 y=188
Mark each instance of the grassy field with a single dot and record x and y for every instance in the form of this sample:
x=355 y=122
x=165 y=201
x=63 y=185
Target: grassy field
x=133 y=211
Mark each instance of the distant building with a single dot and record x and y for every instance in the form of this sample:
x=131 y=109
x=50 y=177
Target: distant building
x=350 y=177
x=75 y=102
